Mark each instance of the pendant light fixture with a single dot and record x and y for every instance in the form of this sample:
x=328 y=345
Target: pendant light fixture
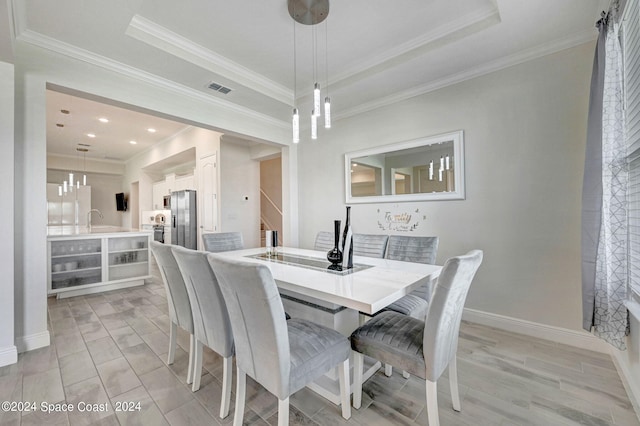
x=327 y=99
x=84 y=151
x=314 y=125
x=310 y=12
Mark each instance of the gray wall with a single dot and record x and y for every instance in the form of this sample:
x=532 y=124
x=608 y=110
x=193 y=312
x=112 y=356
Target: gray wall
x=525 y=129
x=239 y=176
x=8 y=354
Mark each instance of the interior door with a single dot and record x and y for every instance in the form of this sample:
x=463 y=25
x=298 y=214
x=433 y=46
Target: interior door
x=209 y=185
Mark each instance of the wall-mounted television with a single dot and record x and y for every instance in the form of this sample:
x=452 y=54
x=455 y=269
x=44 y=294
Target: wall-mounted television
x=121 y=202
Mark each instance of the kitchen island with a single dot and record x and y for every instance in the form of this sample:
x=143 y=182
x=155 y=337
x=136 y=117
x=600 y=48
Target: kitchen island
x=85 y=260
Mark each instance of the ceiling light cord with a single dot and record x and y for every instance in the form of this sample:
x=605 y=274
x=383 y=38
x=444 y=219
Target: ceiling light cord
x=327 y=99
x=295 y=117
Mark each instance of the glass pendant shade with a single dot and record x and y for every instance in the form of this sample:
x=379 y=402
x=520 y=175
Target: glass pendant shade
x=78 y=184
x=295 y=120
x=441 y=162
x=316 y=100
x=314 y=125
x=327 y=113
x=431 y=170
x=84 y=180
x=59 y=190
x=64 y=186
x=446 y=162
x=71 y=179
x=440 y=175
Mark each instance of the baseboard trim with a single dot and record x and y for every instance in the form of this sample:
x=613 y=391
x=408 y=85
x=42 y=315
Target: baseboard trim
x=33 y=341
x=8 y=356
x=631 y=384
x=579 y=339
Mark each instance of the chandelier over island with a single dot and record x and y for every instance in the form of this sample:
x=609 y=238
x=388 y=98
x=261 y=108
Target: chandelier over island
x=311 y=13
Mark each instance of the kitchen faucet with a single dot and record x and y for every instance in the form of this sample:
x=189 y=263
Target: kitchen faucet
x=89 y=216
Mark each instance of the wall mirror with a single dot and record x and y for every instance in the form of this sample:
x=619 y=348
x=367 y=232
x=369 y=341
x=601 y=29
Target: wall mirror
x=424 y=169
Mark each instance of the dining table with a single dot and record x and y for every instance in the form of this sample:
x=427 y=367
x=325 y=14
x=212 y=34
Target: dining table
x=314 y=289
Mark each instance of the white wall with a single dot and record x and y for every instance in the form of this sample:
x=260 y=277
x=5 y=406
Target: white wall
x=239 y=177
x=525 y=130
x=8 y=353
x=30 y=210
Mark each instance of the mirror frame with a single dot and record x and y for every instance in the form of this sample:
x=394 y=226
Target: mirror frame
x=458 y=163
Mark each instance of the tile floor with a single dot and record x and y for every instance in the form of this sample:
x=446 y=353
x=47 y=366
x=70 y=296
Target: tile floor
x=110 y=349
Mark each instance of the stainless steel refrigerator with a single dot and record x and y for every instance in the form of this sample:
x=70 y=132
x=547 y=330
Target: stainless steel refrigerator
x=183 y=219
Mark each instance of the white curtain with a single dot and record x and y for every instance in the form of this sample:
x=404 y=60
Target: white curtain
x=610 y=318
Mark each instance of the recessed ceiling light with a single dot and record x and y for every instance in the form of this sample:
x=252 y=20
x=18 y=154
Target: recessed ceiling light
x=151 y=130
x=133 y=142
x=103 y=120
x=91 y=135
x=64 y=111
x=59 y=124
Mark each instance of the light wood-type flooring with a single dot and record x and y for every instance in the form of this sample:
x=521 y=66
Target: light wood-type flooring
x=111 y=348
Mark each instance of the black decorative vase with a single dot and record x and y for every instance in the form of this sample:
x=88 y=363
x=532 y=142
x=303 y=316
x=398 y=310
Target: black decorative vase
x=335 y=255
x=347 y=240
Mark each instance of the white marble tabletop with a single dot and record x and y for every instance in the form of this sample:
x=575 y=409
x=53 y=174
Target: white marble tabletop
x=367 y=290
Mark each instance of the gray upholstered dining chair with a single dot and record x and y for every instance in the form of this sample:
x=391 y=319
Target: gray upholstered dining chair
x=283 y=356
x=177 y=299
x=370 y=245
x=423 y=348
x=222 y=241
x=324 y=241
x=210 y=318
x=417 y=250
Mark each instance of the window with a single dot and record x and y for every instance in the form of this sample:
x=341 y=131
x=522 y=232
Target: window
x=631 y=47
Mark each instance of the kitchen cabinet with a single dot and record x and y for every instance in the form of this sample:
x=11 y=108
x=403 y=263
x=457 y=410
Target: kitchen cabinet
x=128 y=257
x=75 y=263
x=70 y=208
x=170 y=184
x=83 y=261
x=184 y=182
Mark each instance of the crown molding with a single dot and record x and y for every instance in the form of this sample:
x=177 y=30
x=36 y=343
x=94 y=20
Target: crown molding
x=471 y=22
x=168 y=41
x=86 y=56
x=487 y=68
x=17 y=18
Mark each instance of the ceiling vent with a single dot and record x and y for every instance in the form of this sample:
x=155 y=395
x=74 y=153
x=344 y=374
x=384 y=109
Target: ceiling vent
x=218 y=88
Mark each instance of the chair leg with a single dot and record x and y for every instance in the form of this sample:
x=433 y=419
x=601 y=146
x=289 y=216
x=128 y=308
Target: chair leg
x=197 y=366
x=453 y=383
x=241 y=387
x=227 y=372
x=192 y=354
x=283 y=412
x=345 y=389
x=362 y=318
x=358 y=371
x=388 y=370
x=173 y=333
x=432 y=403
x=405 y=374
